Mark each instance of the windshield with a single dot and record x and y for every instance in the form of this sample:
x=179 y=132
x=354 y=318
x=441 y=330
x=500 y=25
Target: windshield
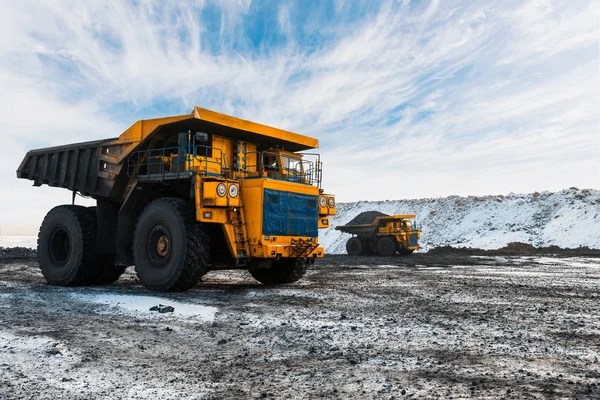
x=291 y=167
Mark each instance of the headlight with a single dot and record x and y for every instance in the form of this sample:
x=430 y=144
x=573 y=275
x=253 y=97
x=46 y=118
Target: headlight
x=323 y=201
x=233 y=191
x=331 y=202
x=221 y=189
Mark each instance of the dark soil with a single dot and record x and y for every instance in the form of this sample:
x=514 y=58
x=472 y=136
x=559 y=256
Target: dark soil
x=426 y=326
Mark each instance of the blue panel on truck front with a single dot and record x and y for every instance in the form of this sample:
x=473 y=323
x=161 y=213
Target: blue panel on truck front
x=413 y=239
x=290 y=214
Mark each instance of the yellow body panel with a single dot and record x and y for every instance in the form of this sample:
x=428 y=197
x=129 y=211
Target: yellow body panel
x=142 y=128
x=224 y=156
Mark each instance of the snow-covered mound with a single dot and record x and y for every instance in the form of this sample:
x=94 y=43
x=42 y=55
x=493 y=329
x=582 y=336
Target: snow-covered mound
x=568 y=219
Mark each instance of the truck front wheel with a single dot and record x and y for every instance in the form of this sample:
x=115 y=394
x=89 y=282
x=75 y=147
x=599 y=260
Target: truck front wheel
x=386 y=246
x=285 y=270
x=171 y=250
x=66 y=246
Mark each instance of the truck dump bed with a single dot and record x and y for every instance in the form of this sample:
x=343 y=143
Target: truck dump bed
x=74 y=167
x=371 y=229
x=360 y=230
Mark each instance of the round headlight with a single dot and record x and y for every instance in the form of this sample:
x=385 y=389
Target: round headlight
x=323 y=201
x=233 y=191
x=221 y=189
x=331 y=202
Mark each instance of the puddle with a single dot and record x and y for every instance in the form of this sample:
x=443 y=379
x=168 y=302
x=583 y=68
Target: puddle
x=140 y=306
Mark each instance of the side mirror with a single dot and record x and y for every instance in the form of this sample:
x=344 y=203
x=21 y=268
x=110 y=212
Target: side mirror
x=201 y=137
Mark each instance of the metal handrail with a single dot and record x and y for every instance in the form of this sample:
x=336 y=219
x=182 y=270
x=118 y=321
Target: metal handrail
x=148 y=159
x=156 y=157
x=205 y=158
x=303 y=171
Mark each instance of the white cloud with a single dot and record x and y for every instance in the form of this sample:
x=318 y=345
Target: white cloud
x=410 y=99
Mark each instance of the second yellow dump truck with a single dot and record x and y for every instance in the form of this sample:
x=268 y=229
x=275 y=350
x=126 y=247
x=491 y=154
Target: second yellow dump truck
x=180 y=196
x=385 y=236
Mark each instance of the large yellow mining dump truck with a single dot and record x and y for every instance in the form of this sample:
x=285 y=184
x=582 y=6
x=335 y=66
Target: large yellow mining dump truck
x=180 y=196
x=385 y=236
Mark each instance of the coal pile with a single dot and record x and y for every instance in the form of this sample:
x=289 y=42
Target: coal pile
x=366 y=218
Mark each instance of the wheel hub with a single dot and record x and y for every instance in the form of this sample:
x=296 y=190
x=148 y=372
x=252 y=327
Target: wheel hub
x=162 y=246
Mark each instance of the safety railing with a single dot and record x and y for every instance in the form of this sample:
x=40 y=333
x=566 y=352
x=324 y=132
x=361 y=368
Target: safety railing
x=176 y=162
x=179 y=162
x=208 y=162
x=313 y=171
x=288 y=168
x=156 y=164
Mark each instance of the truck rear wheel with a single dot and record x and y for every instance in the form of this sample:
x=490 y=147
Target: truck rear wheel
x=171 y=249
x=386 y=246
x=66 y=246
x=354 y=246
x=286 y=270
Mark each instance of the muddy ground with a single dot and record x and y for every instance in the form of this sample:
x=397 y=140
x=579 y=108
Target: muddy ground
x=446 y=325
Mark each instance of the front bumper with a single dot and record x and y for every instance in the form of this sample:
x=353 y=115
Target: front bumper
x=286 y=250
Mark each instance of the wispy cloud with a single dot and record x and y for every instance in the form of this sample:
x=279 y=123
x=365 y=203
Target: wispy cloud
x=409 y=98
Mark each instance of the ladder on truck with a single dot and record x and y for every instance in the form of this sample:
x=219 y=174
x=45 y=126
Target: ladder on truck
x=241 y=235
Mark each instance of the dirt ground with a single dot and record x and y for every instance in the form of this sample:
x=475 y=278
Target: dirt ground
x=446 y=325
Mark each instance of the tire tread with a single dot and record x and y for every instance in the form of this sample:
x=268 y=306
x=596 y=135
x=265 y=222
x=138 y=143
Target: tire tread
x=197 y=257
x=85 y=270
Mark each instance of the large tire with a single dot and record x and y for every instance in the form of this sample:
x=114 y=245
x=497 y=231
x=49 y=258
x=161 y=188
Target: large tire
x=354 y=246
x=286 y=270
x=386 y=246
x=66 y=246
x=171 y=249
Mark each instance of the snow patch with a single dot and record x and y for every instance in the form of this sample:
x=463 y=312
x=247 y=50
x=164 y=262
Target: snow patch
x=140 y=306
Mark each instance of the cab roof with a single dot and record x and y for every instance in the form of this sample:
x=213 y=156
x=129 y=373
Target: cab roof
x=203 y=120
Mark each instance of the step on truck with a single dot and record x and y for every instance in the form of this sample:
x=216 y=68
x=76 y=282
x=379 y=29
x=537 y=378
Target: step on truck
x=179 y=196
x=385 y=236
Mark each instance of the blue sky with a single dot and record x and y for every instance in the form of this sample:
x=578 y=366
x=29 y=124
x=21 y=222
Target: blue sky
x=408 y=98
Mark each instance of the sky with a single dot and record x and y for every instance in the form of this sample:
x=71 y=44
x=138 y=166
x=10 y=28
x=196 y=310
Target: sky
x=409 y=99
